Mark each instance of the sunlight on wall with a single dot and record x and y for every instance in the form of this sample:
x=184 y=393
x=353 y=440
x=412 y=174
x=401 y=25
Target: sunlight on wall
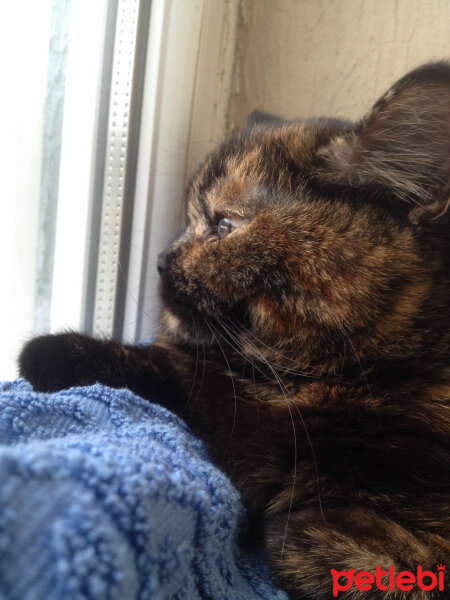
x=303 y=58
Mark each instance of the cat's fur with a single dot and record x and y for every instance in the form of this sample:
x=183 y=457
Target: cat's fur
x=310 y=347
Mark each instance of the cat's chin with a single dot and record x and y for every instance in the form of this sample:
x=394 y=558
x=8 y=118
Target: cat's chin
x=184 y=333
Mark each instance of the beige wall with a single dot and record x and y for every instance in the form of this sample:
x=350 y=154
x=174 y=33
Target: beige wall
x=300 y=58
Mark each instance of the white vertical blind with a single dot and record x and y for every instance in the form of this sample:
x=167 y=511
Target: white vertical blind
x=117 y=155
x=189 y=64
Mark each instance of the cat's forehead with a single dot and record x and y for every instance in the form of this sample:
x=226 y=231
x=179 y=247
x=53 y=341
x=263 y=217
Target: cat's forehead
x=235 y=197
x=251 y=171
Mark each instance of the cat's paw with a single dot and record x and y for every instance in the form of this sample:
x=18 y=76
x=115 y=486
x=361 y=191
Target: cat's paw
x=54 y=362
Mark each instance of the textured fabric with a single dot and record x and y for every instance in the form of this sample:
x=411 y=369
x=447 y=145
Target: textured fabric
x=105 y=495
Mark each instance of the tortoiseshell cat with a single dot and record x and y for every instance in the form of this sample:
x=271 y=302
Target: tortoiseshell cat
x=305 y=337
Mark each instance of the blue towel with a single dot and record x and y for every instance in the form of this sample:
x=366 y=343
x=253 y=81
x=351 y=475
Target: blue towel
x=106 y=496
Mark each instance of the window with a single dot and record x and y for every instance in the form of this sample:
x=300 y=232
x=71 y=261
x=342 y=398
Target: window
x=110 y=106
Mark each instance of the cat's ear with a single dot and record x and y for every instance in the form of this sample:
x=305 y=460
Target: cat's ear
x=261 y=119
x=403 y=144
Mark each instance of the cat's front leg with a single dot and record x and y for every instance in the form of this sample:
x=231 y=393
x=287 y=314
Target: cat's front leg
x=55 y=362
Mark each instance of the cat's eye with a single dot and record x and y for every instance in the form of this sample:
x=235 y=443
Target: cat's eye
x=226 y=226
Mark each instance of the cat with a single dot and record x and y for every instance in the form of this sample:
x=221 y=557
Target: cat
x=304 y=336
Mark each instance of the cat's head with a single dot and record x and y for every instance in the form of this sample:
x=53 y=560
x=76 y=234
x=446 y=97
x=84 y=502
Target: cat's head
x=321 y=242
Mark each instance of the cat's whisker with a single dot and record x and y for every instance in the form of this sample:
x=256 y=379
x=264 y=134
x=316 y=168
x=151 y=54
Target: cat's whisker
x=313 y=454
x=233 y=385
x=359 y=361
x=235 y=345
x=197 y=395
x=256 y=338
x=239 y=326
x=194 y=378
x=255 y=394
x=282 y=368
x=290 y=401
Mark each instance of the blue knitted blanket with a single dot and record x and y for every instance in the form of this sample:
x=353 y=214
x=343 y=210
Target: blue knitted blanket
x=106 y=496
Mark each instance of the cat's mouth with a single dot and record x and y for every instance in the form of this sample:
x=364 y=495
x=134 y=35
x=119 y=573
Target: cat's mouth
x=189 y=326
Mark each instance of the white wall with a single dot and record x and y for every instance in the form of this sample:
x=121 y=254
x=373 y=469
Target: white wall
x=300 y=58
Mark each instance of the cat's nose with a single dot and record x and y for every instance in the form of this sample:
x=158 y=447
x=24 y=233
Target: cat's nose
x=164 y=260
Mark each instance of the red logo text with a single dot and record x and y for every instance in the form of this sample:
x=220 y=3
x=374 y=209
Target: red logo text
x=388 y=580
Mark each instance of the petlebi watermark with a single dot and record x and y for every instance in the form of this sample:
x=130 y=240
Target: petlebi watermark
x=388 y=580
